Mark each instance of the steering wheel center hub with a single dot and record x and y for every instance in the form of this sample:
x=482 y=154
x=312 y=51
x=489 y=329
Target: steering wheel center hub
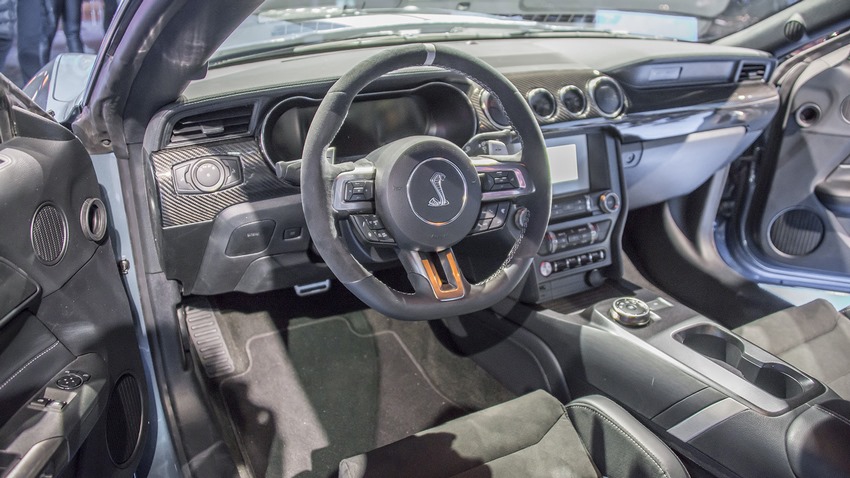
x=427 y=192
x=437 y=191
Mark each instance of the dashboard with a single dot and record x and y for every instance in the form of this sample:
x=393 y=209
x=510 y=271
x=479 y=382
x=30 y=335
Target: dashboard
x=628 y=123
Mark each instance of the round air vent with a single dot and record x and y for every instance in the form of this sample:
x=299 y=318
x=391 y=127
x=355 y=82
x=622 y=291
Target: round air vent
x=796 y=232
x=49 y=234
x=542 y=103
x=607 y=95
x=493 y=110
x=808 y=114
x=573 y=99
x=795 y=28
x=124 y=419
x=93 y=219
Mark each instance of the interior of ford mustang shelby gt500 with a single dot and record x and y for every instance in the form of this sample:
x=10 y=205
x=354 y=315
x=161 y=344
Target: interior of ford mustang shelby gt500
x=431 y=238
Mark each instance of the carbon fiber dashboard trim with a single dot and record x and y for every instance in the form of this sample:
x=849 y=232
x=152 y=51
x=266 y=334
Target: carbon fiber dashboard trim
x=181 y=209
x=553 y=81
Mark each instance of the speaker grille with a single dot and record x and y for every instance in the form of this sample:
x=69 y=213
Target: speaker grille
x=796 y=232
x=49 y=234
x=124 y=419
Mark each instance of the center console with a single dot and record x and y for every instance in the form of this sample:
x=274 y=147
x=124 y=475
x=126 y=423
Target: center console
x=586 y=211
x=722 y=402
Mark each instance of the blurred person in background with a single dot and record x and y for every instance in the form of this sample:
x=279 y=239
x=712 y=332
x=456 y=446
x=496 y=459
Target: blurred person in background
x=109 y=8
x=34 y=19
x=8 y=19
x=70 y=13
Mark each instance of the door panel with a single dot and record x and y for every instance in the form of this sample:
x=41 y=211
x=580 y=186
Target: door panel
x=72 y=386
x=798 y=230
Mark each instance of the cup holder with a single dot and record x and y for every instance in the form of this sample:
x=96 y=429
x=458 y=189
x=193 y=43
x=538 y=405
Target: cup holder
x=776 y=382
x=730 y=352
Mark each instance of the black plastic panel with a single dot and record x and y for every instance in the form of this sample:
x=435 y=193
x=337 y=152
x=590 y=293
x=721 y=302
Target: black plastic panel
x=248 y=249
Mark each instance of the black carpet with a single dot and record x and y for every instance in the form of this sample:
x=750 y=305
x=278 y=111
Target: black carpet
x=311 y=392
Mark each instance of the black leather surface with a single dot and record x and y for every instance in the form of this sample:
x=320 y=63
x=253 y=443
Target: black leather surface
x=29 y=356
x=618 y=444
x=818 y=441
x=16 y=292
x=533 y=435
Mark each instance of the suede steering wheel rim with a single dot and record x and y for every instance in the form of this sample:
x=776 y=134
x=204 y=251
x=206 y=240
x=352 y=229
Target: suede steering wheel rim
x=318 y=186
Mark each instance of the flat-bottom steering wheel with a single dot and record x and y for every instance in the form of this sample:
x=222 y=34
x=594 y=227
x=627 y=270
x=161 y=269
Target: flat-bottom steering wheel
x=421 y=195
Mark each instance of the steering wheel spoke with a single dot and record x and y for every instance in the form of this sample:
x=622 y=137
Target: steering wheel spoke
x=370 y=229
x=502 y=179
x=354 y=191
x=435 y=275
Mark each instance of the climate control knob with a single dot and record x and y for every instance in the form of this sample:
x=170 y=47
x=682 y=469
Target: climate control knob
x=545 y=269
x=609 y=202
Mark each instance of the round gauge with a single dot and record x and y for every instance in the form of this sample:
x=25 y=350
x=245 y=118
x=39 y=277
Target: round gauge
x=493 y=110
x=573 y=99
x=542 y=103
x=607 y=95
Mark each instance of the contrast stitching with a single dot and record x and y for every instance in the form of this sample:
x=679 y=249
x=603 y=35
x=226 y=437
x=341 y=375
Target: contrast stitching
x=48 y=349
x=623 y=432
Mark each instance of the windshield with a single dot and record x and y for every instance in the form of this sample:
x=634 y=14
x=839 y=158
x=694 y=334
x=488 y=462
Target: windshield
x=288 y=27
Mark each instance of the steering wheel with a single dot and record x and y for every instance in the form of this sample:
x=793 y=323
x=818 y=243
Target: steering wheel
x=421 y=195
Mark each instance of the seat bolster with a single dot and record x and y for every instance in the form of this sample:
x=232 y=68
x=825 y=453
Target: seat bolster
x=471 y=442
x=619 y=445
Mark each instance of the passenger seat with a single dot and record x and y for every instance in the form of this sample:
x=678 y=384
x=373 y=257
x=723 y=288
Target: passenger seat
x=813 y=337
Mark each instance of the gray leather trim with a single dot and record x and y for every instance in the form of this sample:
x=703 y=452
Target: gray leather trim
x=696 y=424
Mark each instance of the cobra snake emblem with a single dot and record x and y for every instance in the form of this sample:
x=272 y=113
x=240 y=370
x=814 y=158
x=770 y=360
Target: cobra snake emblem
x=437 y=182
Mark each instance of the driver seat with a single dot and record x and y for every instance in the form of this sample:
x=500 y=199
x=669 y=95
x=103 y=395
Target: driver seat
x=534 y=435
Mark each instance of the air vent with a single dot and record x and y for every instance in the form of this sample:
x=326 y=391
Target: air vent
x=752 y=72
x=213 y=125
x=563 y=18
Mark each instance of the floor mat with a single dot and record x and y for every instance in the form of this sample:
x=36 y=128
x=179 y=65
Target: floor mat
x=322 y=390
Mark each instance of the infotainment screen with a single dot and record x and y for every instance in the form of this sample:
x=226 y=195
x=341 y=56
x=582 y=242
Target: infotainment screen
x=568 y=164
